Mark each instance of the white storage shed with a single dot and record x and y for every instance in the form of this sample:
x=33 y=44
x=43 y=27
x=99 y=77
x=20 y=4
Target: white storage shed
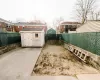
x=32 y=37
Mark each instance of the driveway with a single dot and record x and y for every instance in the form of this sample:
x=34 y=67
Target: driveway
x=19 y=62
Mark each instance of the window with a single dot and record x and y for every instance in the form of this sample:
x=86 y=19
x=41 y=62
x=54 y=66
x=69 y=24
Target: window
x=36 y=35
x=72 y=29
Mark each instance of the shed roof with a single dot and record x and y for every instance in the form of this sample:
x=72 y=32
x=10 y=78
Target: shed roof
x=32 y=29
x=51 y=31
x=89 y=26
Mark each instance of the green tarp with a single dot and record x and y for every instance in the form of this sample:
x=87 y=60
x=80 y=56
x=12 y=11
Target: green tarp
x=9 y=38
x=86 y=41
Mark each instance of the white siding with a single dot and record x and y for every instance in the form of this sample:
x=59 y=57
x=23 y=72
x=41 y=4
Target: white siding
x=90 y=26
x=71 y=31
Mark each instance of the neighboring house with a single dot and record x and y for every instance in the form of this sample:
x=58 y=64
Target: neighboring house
x=32 y=37
x=6 y=26
x=68 y=27
x=19 y=26
x=3 y=27
x=89 y=26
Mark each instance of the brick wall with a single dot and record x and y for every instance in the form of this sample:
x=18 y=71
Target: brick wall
x=17 y=29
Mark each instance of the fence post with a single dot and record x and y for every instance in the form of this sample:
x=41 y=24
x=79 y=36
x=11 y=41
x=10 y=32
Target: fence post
x=96 y=44
x=7 y=39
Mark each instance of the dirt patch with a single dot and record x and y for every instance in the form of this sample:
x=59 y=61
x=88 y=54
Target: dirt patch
x=55 y=60
x=8 y=48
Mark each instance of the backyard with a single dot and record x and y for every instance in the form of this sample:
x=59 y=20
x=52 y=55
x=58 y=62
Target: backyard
x=55 y=60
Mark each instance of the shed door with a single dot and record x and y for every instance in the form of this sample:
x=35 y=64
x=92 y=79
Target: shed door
x=37 y=39
x=28 y=39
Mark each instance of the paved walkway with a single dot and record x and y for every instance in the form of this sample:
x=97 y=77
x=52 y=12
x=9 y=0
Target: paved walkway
x=18 y=63
x=88 y=77
x=53 y=78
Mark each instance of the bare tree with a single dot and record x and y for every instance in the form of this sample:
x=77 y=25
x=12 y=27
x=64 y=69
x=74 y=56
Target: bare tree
x=95 y=15
x=83 y=8
x=57 y=22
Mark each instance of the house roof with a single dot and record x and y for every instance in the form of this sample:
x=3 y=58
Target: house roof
x=29 y=24
x=70 y=23
x=89 y=26
x=5 y=21
x=32 y=29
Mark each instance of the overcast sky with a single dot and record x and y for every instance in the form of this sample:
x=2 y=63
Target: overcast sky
x=47 y=10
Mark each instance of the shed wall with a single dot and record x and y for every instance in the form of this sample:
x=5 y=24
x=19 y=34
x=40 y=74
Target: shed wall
x=28 y=39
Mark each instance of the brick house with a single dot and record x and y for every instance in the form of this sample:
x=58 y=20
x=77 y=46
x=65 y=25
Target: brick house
x=19 y=26
x=6 y=26
x=68 y=27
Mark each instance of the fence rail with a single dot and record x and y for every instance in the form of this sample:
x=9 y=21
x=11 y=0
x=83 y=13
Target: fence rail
x=53 y=37
x=9 y=38
x=86 y=41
